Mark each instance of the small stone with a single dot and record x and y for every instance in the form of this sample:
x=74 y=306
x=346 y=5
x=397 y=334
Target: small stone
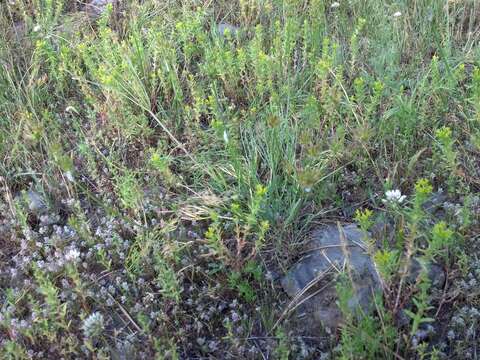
x=35 y=203
x=222 y=28
x=382 y=229
x=97 y=7
x=436 y=274
x=402 y=318
x=435 y=205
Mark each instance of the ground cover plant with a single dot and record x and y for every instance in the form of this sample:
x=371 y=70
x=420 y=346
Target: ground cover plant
x=159 y=173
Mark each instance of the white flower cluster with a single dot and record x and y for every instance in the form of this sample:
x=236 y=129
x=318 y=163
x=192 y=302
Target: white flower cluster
x=72 y=255
x=93 y=325
x=394 y=197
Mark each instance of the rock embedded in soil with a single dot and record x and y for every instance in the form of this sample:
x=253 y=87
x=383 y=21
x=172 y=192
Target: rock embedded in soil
x=331 y=250
x=95 y=8
x=35 y=202
x=435 y=272
x=435 y=205
x=222 y=28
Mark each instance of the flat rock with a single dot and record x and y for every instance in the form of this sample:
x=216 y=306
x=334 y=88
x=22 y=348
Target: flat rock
x=331 y=250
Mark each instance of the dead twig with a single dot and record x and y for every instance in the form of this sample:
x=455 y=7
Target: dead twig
x=126 y=314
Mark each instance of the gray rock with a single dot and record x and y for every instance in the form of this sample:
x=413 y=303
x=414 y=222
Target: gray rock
x=95 y=8
x=402 y=319
x=435 y=273
x=435 y=205
x=382 y=230
x=222 y=28
x=35 y=203
x=331 y=250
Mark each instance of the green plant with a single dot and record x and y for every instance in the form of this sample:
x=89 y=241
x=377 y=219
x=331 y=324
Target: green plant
x=441 y=239
x=237 y=282
x=364 y=219
x=249 y=230
x=447 y=154
x=362 y=336
x=129 y=191
x=13 y=351
x=242 y=280
x=162 y=163
x=282 y=351
x=421 y=302
x=166 y=278
x=387 y=263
